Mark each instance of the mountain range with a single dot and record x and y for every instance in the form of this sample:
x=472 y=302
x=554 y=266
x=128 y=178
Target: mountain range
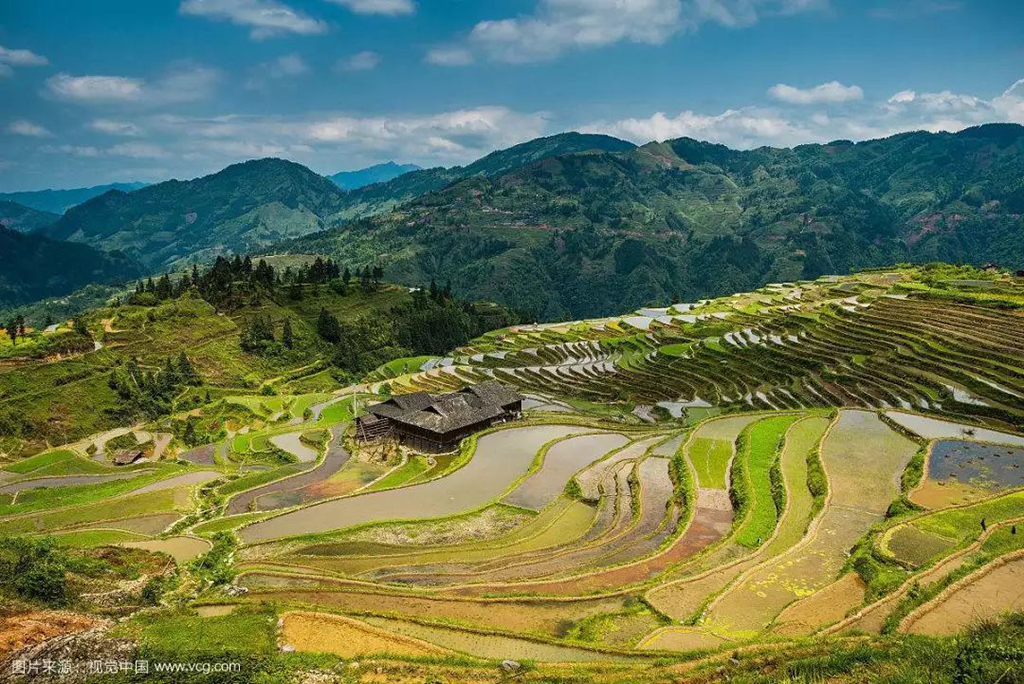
x=578 y=225
x=59 y=201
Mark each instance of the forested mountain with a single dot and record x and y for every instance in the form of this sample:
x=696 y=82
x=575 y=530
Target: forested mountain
x=239 y=209
x=59 y=201
x=23 y=219
x=378 y=173
x=584 y=234
x=381 y=197
x=258 y=203
x=36 y=267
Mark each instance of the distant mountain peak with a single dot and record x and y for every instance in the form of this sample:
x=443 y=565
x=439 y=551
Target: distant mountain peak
x=378 y=173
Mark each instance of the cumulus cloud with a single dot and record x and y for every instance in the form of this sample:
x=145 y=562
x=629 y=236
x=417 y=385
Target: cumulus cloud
x=28 y=129
x=367 y=60
x=95 y=88
x=826 y=93
x=265 y=18
x=735 y=128
x=21 y=57
x=183 y=84
x=906 y=110
x=557 y=26
x=449 y=56
x=387 y=7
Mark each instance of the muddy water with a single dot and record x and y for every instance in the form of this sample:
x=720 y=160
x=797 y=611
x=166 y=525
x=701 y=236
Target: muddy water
x=997 y=592
x=298 y=489
x=933 y=428
x=500 y=458
x=181 y=549
x=561 y=462
x=292 y=443
x=69 y=481
x=202 y=455
x=196 y=477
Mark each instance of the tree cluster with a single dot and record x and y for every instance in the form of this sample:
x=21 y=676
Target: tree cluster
x=148 y=393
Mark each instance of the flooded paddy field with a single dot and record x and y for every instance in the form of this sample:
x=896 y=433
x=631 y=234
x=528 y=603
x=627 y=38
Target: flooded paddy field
x=500 y=458
x=181 y=549
x=935 y=428
x=561 y=462
x=304 y=485
x=961 y=471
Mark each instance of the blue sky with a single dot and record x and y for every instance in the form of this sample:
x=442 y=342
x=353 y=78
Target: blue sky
x=118 y=90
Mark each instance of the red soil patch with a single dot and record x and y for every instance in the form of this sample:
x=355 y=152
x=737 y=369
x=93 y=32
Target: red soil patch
x=27 y=629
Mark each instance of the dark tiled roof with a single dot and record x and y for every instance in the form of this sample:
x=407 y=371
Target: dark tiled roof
x=493 y=393
x=447 y=412
x=411 y=402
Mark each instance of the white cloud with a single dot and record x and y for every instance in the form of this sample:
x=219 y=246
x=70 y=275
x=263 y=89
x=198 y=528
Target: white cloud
x=557 y=26
x=449 y=56
x=27 y=128
x=132 y=150
x=388 y=7
x=1010 y=105
x=735 y=128
x=367 y=60
x=182 y=84
x=323 y=141
x=21 y=57
x=75 y=150
x=95 y=88
x=112 y=127
x=266 y=18
x=827 y=93
x=906 y=110
x=903 y=97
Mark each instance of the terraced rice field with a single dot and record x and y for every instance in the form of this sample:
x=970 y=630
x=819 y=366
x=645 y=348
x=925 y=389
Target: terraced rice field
x=780 y=491
x=500 y=459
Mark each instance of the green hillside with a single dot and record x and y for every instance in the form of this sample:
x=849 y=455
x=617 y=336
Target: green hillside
x=245 y=329
x=36 y=267
x=23 y=219
x=239 y=209
x=586 y=234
